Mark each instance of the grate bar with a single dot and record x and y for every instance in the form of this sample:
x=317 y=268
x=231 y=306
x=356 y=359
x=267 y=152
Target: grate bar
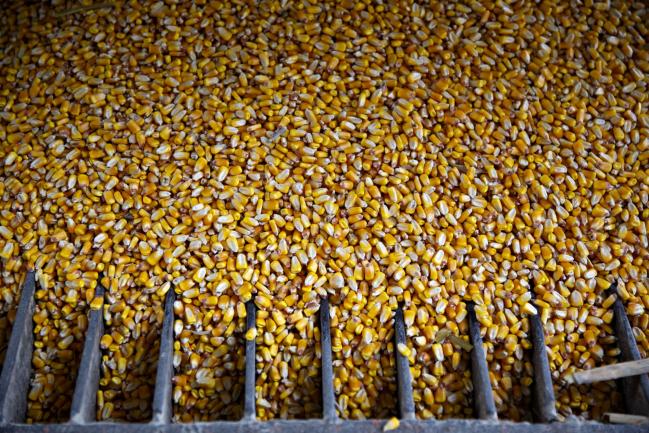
x=162 y=407
x=544 y=406
x=322 y=426
x=326 y=362
x=635 y=389
x=16 y=374
x=17 y=369
x=404 y=378
x=84 y=399
x=249 y=408
x=482 y=391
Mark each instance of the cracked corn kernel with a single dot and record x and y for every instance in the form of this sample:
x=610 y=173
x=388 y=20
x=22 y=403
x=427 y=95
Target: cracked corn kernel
x=379 y=153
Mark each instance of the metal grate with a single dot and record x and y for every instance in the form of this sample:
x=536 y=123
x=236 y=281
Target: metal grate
x=16 y=374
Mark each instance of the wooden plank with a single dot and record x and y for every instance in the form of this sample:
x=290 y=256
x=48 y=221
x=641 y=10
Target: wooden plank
x=612 y=372
x=625 y=418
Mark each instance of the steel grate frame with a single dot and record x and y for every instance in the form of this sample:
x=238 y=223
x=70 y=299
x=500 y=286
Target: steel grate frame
x=16 y=374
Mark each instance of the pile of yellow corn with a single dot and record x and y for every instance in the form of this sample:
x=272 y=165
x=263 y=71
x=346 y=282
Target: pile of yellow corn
x=375 y=152
x=288 y=364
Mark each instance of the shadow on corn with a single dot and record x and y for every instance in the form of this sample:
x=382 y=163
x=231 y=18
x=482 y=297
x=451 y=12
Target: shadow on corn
x=288 y=384
x=130 y=346
x=208 y=357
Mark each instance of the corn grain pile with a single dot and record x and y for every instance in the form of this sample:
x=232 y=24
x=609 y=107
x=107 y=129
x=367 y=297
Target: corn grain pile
x=375 y=152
